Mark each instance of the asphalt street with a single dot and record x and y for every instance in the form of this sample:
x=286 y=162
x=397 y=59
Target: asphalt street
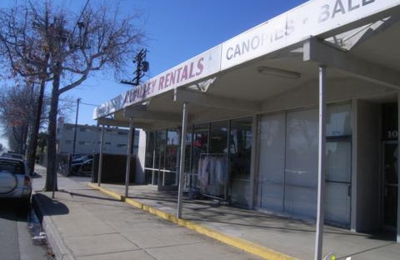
x=15 y=236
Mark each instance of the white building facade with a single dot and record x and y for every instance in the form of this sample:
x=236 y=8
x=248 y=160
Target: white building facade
x=87 y=139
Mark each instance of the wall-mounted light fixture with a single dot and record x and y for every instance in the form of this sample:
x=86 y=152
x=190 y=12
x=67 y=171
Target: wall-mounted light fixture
x=278 y=72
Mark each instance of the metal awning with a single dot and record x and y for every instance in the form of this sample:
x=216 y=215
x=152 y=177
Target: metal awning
x=366 y=53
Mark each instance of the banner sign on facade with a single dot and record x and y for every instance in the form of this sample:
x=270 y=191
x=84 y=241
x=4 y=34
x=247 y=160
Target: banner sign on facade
x=199 y=67
x=310 y=19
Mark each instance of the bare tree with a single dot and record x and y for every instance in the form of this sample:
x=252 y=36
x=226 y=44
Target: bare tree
x=22 y=47
x=17 y=106
x=59 y=46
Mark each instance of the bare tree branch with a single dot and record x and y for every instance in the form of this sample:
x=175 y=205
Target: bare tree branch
x=46 y=44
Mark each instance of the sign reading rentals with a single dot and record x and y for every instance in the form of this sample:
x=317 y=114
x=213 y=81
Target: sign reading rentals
x=313 y=18
x=310 y=19
x=196 y=68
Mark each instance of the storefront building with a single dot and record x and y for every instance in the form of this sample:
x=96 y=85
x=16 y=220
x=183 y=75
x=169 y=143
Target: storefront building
x=250 y=111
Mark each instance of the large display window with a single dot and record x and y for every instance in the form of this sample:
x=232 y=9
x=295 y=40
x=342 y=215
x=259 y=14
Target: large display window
x=271 y=178
x=301 y=165
x=161 y=163
x=199 y=145
x=217 y=163
x=240 y=143
x=288 y=163
x=150 y=160
x=338 y=165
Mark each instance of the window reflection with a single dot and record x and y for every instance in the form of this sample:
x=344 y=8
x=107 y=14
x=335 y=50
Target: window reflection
x=200 y=144
x=338 y=121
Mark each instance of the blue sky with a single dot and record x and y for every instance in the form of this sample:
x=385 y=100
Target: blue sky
x=177 y=30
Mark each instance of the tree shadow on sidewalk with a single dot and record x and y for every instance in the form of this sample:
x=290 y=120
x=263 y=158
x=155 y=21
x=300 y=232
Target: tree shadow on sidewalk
x=45 y=206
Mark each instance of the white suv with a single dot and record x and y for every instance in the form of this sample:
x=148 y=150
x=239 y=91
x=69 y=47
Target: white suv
x=15 y=182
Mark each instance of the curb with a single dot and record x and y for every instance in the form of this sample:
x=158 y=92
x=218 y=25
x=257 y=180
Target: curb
x=56 y=242
x=244 y=245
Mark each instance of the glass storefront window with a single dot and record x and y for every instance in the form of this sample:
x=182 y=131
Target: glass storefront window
x=161 y=142
x=240 y=147
x=219 y=137
x=301 y=163
x=338 y=121
x=162 y=157
x=172 y=150
x=240 y=144
x=338 y=161
x=271 y=178
x=200 y=144
x=338 y=164
x=150 y=145
x=188 y=152
x=288 y=163
x=150 y=157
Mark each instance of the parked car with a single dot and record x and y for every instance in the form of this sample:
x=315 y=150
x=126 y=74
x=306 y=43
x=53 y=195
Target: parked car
x=81 y=159
x=15 y=182
x=82 y=167
x=13 y=155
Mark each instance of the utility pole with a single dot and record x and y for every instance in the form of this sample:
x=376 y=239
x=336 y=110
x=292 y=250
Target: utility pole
x=141 y=66
x=76 y=124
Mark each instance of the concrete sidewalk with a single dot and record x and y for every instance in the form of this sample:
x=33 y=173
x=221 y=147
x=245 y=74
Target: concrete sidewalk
x=83 y=223
x=269 y=236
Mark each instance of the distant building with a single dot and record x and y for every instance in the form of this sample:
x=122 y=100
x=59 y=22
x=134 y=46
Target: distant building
x=88 y=139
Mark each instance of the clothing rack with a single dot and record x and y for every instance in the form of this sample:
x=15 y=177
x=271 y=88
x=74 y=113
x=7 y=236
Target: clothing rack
x=213 y=176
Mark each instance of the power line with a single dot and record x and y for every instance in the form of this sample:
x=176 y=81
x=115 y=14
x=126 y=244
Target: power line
x=93 y=105
x=69 y=100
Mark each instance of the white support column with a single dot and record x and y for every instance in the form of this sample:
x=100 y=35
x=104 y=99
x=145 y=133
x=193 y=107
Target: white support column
x=182 y=161
x=398 y=169
x=321 y=165
x=129 y=156
x=100 y=171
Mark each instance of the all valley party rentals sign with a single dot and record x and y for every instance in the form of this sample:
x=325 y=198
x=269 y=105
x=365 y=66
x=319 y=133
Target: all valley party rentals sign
x=313 y=18
x=199 y=67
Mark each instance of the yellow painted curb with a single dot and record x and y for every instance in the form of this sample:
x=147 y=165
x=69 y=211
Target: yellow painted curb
x=244 y=245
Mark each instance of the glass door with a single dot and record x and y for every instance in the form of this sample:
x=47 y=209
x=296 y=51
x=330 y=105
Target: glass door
x=390 y=184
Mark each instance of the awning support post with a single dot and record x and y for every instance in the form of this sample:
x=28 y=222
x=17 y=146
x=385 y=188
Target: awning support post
x=321 y=165
x=182 y=161
x=129 y=156
x=100 y=171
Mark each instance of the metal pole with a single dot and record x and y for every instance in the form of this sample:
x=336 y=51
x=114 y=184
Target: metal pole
x=76 y=125
x=182 y=161
x=129 y=156
x=321 y=165
x=100 y=157
x=398 y=169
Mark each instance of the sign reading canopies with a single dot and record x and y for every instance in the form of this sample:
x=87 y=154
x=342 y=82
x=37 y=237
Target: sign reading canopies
x=310 y=19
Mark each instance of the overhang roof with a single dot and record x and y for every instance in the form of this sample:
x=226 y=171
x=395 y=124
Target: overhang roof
x=365 y=50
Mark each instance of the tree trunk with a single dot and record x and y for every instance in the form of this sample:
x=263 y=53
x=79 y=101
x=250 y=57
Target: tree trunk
x=35 y=131
x=51 y=178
